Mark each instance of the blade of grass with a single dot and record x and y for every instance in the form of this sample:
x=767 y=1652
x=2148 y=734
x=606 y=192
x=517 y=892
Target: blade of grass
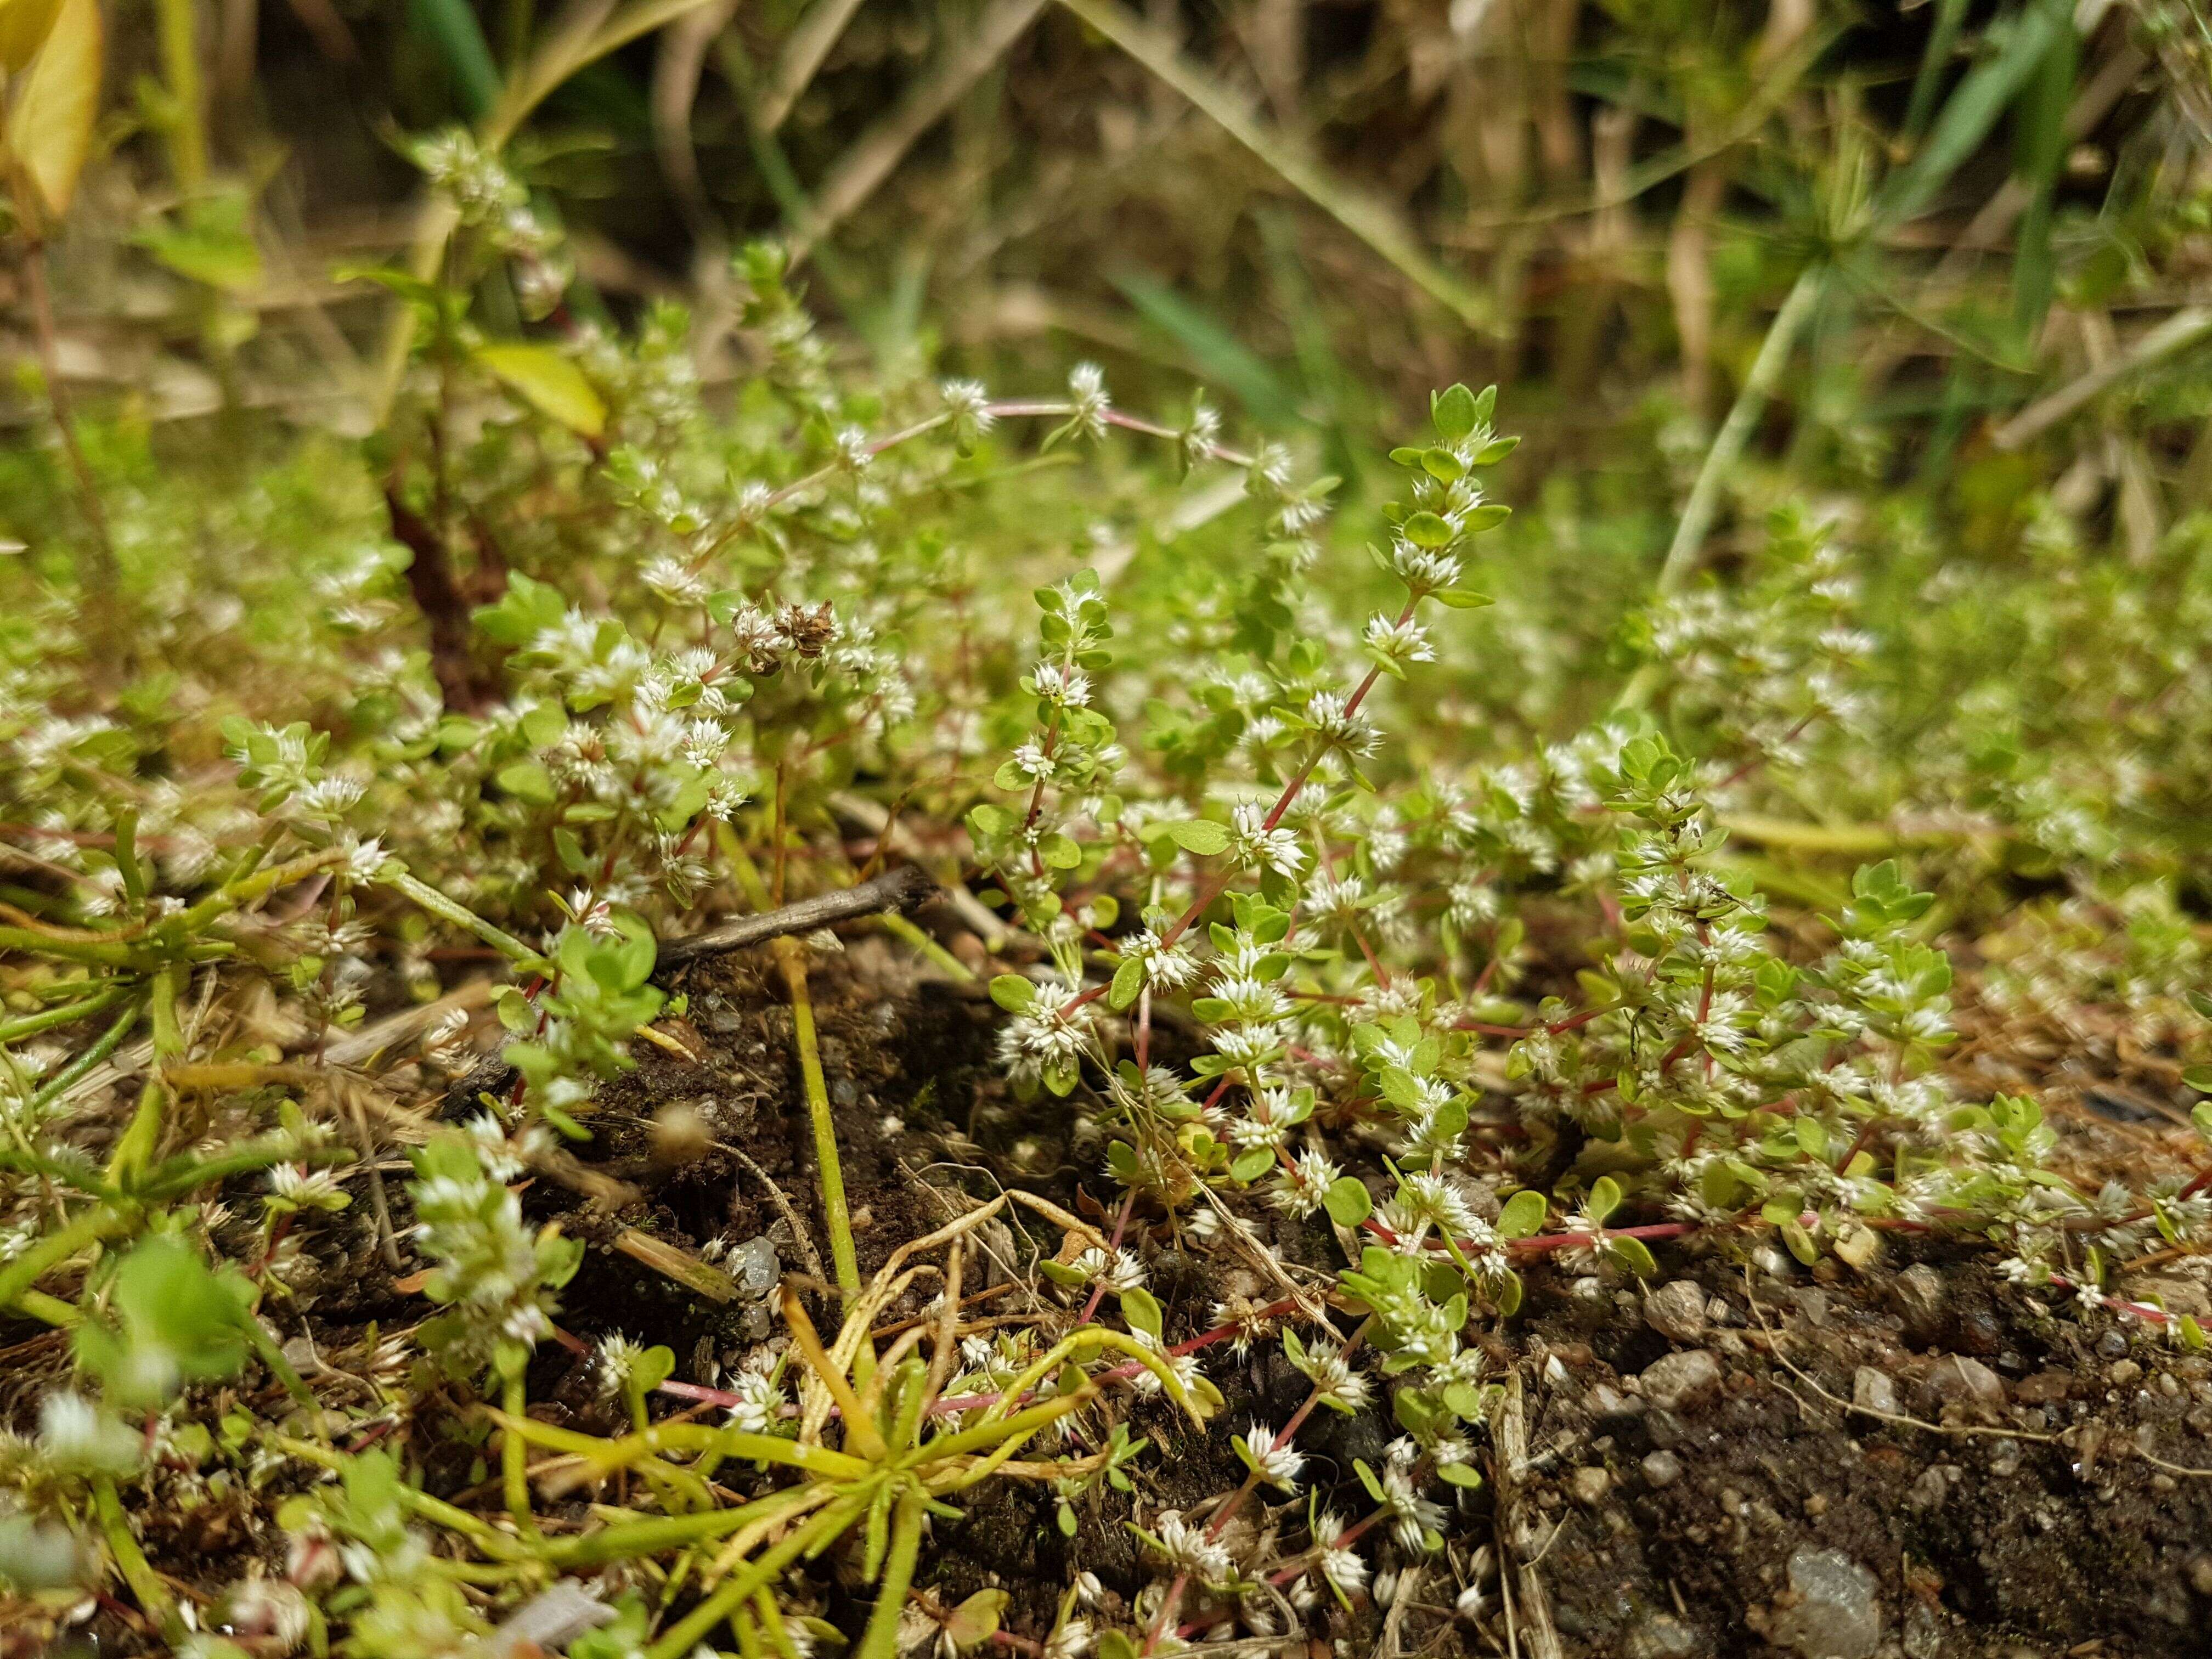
x=450 y=27
x=1942 y=41
x=1216 y=354
x=1970 y=110
x=1377 y=225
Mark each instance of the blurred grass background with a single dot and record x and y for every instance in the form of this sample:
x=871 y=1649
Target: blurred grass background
x=1868 y=243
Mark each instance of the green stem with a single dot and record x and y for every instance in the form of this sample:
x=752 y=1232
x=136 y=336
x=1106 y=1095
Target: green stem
x=63 y=1080
x=462 y=917
x=634 y=1539
x=273 y=1357
x=186 y=127
x=881 y=1639
x=435 y=1510
x=1736 y=431
x=793 y=956
x=679 y=1639
x=137 y=1572
x=24 y=1273
x=515 y=1452
x=67 y=1013
x=902 y=928
x=105 y=953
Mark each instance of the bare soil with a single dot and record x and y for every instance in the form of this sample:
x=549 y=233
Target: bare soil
x=2050 y=1495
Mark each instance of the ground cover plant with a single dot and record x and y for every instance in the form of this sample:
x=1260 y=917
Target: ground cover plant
x=683 y=980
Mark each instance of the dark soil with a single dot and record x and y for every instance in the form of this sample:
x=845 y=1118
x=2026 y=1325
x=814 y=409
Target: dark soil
x=2030 y=1522
x=2052 y=1497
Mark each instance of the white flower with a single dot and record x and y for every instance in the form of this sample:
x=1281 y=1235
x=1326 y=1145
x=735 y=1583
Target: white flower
x=759 y=1403
x=1401 y=642
x=1166 y=967
x=1189 y=1549
x=1064 y=688
x=77 y=1434
x=1087 y=390
x=1302 y=1185
x=1253 y=842
x=366 y=860
x=969 y=404
x=1274 y=1457
x=1120 y=1271
x=1330 y=715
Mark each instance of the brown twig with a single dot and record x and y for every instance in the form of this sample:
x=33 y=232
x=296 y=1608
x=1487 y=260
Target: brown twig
x=438 y=595
x=902 y=890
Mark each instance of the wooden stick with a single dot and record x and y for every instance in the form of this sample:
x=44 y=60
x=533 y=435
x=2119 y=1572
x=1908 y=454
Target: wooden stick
x=902 y=890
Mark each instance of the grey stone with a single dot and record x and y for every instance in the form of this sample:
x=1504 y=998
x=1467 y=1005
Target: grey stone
x=1677 y=1311
x=1591 y=1483
x=754 y=1265
x=1836 y=1613
x=1873 y=1389
x=1681 y=1379
x=1922 y=1303
x=1956 y=1380
x=1662 y=1469
x=1665 y=1637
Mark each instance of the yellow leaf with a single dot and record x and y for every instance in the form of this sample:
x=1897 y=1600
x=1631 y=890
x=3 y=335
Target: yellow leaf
x=23 y=27
x=553 y=385
x=50 y=126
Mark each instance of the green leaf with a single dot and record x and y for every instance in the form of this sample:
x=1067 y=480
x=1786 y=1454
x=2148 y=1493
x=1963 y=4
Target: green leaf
x=1200 y=836
x=1142 y=1310
x=527 y=781
x=1348 y=1202
x=1634 y=1255
x=1454 y=412
x=1604 y=1199
x=210 y=243
x=975 y=1620
x=1129 y=984
x=1013 y=994
x=1461 y=598
x=551 y=384
x=1427 y=530
x=1523 y=1214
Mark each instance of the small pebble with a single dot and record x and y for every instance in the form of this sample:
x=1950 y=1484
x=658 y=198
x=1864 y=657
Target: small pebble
x=1664 y=1468
x=1680 y=1379
x=2112 y=1344
x=1957 y=1380
x=1874 y=1391
x=2124 y=1372
x=1591 y=1484
x=1677 y=1311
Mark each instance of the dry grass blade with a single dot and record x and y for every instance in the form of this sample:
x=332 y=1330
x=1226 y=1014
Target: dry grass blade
x=1382 y=228
x=2176 y=335
x=676 y=74
x=874 y=156
x=802 y=58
